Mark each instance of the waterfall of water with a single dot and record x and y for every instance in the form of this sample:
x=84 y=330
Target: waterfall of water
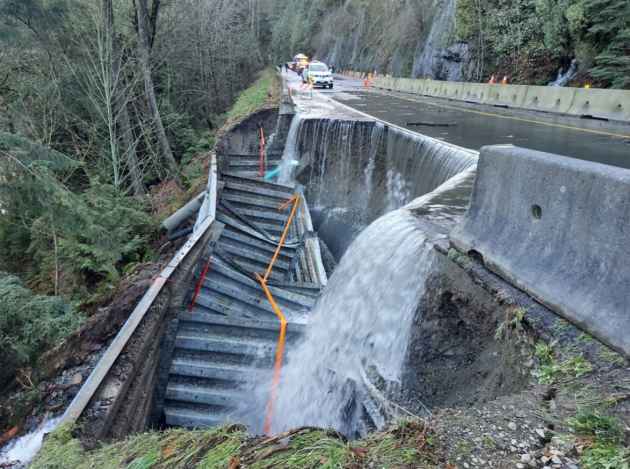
x=419 y=164
x=376 y=137
x=291 y=151
x=364 y=316
x=24 y=448
x=268 y=145
x=563 y=78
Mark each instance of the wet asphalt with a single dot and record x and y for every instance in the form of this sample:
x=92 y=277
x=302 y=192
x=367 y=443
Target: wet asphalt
x=473 y=126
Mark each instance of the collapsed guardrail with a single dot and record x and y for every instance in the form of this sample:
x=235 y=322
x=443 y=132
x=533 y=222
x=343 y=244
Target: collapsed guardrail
x=201 y=231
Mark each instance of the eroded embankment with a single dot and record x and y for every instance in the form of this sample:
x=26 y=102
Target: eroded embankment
x=496 y=378
x=476 y=340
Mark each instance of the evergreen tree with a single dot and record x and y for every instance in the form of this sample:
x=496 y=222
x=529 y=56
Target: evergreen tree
x=611 y=29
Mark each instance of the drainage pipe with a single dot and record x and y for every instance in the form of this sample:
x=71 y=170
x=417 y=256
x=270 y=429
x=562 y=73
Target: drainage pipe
x=276 y=171
x=180 y=233
x=187 y=211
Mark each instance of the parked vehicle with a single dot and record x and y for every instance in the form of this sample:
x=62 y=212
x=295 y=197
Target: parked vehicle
x=300 y=62
x=318 y=74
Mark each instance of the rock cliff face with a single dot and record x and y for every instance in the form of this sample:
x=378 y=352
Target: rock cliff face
x=397 y=38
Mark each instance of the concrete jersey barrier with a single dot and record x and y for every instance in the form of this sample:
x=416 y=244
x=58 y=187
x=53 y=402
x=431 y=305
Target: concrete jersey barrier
x=557 y=228
x=606 y=104
x=550 y=99
x=507 y=95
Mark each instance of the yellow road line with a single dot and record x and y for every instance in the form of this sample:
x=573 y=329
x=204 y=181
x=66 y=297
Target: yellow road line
x=519 y=119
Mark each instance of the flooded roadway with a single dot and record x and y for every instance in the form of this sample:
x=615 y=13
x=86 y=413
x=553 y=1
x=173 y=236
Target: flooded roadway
x=473 y=126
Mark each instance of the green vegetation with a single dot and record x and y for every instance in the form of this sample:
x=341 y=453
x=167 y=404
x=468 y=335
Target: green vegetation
x=30 y=324
x=523 y=38
x=603 y=437
x=605 y=457
x=587 y=394
x=605 y=429
x=92 y=135
x=513 y=319
x=489 y=442
x=263 y=93
x=404 y=444
x=460 y=258
x=569 y=368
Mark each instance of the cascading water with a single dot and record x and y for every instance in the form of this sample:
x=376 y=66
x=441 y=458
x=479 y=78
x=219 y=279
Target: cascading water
x=375 y=140
x=291 y=151
x=363 y=317
x=420 y=164
x=368 y=168
x=24 y=448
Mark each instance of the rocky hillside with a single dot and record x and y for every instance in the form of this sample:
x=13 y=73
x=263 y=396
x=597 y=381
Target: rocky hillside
x=462 y=40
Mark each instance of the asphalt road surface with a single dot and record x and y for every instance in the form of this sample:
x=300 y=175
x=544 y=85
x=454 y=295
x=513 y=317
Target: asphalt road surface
x=473 y=126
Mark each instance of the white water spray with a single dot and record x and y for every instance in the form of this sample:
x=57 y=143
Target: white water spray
x=291 y=151
x=364 y=316
x=24 y=448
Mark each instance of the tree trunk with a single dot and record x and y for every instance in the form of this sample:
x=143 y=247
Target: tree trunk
x=160 y=134
x=128 y=147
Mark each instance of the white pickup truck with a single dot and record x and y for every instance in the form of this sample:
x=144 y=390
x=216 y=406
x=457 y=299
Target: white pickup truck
x=318 y=74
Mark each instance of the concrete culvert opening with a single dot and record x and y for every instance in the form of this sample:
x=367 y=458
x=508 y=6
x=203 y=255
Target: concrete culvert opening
x=476 y=256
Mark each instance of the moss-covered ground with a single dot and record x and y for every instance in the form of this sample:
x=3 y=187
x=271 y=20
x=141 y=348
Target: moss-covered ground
x=406 y=444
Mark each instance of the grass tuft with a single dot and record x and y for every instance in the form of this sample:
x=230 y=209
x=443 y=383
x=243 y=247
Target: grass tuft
x=406 y=443
x=605 y=429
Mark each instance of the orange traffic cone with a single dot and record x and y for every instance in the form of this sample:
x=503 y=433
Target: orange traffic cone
x=504 y=81
x=365 y=82
x=374 y=72
x=491 y=79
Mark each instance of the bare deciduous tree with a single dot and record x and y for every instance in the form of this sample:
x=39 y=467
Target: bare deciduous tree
x=160 y=134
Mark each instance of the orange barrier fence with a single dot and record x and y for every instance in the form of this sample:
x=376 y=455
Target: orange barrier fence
x=276 y=373
x=284 y=234
x=283 y=322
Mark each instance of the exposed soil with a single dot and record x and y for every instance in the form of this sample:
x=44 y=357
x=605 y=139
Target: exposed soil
x=503 y=379
x=43 y=388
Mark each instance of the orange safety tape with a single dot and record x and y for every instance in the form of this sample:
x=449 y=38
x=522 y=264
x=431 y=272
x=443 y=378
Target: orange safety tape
x=276 y=373
x=286 y=229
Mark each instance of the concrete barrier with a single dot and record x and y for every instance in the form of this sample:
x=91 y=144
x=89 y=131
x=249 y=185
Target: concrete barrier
x=382 y=82
x=452 y=90
x=506 y=95
x=404 y=84
x=475 y=93
x=549 y=99
x=433 y=88
x=419 y=86
x=606 y=104
x=557 y=228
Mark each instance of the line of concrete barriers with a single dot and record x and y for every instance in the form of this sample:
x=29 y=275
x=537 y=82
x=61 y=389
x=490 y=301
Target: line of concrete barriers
x=599 y=103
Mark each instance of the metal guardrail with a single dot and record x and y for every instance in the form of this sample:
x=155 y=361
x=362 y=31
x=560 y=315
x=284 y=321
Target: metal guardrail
x=81 y=400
